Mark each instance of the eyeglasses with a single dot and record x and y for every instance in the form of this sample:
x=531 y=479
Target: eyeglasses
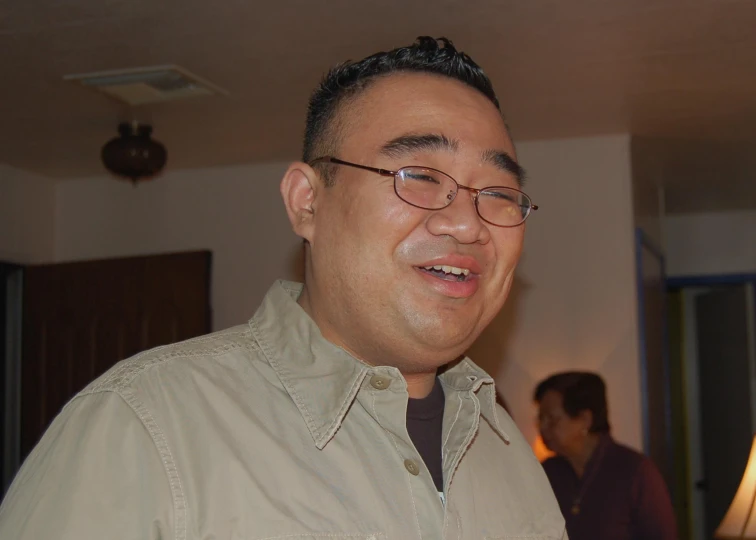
x=431 y=189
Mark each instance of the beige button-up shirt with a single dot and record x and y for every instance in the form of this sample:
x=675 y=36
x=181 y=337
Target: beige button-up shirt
x=268 y=431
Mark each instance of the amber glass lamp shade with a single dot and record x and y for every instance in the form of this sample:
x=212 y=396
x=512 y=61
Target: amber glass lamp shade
x=740 y=519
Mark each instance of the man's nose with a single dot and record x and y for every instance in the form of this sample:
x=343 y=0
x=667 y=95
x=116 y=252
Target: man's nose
x=460 y=220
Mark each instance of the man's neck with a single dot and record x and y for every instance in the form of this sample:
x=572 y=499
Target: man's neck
x=580 y=459
x=419 y=385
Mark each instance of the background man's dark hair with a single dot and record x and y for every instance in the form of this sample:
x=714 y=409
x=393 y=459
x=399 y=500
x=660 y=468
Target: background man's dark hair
x=581 y=390
x=344 y=82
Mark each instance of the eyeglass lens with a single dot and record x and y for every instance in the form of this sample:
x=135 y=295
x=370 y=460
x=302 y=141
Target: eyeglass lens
x=434 y=190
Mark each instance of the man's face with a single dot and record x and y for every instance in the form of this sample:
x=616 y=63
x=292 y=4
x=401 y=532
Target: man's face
x=368 y=281
x=560 y=433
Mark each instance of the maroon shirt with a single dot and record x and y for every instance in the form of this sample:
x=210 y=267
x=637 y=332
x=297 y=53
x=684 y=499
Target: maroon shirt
x=621 y=496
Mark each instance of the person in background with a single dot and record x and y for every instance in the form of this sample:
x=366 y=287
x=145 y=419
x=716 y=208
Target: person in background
x=606 y=491
x=345 y=408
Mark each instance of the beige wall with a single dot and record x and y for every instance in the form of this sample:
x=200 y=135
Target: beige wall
x=235 y=212
x=27 y=213
x=711 y=243
x=574 y=305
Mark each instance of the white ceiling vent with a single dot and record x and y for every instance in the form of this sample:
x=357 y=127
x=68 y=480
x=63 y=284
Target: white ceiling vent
x=142 y=86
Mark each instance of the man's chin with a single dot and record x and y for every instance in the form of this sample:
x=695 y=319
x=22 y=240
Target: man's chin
x=442 y=349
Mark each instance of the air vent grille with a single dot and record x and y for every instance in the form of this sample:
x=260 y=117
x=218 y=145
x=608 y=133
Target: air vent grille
x=142 y=86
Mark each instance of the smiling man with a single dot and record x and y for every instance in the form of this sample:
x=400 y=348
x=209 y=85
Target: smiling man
x=345 y=409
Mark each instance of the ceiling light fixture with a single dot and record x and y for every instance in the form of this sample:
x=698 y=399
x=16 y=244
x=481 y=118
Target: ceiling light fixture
x=134 y=155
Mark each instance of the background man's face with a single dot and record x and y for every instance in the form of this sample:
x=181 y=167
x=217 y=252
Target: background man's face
x=368 y=247
x=560 y=433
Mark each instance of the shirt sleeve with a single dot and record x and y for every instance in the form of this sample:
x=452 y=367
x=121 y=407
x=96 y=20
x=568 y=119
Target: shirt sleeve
x=654 y=517
x=96 y=473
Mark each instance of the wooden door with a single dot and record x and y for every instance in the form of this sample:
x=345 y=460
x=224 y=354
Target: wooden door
x=81 y=318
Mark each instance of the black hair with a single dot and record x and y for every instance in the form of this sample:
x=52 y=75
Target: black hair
x=580 y=390
x=345 y=81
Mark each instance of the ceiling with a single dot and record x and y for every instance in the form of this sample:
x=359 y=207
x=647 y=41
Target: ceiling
x=671 y=69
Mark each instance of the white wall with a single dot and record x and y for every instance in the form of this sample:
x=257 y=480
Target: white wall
x=711 y=243
x=574 y=305
x=235 y=211
x=27 y=213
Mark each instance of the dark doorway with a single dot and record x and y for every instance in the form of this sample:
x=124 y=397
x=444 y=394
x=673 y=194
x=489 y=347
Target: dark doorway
x=716 y=345
x=11 y=276
x=726 y=395
x=81 y=318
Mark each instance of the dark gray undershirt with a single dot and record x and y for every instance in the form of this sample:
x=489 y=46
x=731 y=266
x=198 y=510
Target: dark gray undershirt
x=424 y=424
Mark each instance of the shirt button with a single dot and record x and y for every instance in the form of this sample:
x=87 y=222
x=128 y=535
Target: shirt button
x=379 y=382
x=411 y=467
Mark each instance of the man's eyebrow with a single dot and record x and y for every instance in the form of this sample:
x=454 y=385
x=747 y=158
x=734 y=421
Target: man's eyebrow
x=505 y=162
x=433 y=142
x=407 y=144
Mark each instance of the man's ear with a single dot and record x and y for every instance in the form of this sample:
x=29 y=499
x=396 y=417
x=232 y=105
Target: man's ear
x=299 y=188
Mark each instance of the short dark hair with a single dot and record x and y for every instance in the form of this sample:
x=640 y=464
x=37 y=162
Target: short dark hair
x=347 y=80
x=581 y=390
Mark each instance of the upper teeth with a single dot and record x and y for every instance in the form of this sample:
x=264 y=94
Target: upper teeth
x=449 y=269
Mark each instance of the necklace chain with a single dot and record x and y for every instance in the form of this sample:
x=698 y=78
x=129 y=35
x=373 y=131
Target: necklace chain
x=575 y=510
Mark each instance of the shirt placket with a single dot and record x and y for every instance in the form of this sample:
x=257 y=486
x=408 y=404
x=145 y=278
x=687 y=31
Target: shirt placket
x=384 y=396
x=461 y=420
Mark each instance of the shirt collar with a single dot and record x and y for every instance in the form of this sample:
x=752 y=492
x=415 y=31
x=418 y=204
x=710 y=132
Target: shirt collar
x=465 y=376
x=323 y=379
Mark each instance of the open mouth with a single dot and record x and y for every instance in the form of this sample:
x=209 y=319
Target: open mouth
x=448 y=273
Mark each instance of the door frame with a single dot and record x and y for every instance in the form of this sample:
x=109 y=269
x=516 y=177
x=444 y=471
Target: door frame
x=646 y=247
x=709 y=280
